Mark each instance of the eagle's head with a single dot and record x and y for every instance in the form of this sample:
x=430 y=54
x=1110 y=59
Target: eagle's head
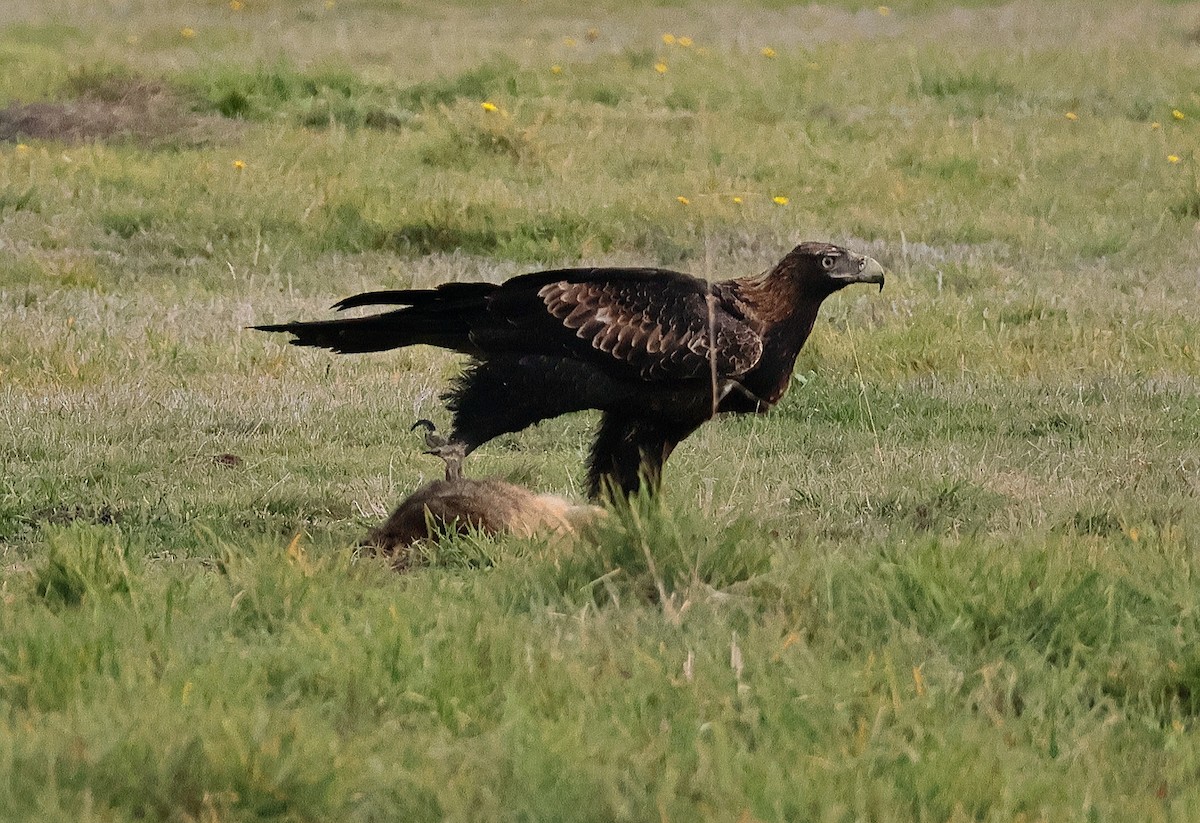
x=820 y=269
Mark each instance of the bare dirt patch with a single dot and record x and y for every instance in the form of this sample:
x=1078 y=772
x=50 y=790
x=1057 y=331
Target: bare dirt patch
x=115 y=109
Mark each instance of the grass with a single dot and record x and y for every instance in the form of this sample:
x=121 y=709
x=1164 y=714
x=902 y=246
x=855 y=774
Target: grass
x=950 y=578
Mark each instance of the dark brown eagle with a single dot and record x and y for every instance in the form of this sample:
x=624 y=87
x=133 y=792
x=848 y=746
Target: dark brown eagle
x=658 y=352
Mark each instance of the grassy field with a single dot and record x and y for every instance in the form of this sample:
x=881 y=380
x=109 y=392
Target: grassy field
x=954 y=577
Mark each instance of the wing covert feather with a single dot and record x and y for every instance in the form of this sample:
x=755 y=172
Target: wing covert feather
x=657 y=325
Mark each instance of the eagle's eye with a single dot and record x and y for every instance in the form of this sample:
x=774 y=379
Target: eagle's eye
x=828 y=262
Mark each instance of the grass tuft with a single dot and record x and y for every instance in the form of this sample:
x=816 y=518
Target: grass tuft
x=655 y=552
x=83 y=562
x=476 y=84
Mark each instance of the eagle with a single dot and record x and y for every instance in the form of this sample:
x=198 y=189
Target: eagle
x=657 y=352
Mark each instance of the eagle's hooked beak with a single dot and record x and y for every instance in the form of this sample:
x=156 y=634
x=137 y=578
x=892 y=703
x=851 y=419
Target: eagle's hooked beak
x=869 y=271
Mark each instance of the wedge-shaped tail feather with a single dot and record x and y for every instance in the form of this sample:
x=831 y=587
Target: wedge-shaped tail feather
x=444 y=317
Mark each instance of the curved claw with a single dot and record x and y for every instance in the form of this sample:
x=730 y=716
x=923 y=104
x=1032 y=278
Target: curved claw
x=452 y=454
x=432 y=439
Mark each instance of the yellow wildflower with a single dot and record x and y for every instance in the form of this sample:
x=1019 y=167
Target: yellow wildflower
x=239 y=164
x=1178 y=115
x=779 y=200
x=668 y=38
x=683 y=200
x=737 y=200
x=22 y=148
x=686 y=42
x=556 y=69
x=884 y=11
x=767 y=51
x=660 y=67
x=329 y=4
x=236 y=5
x=1156 y=125
x=187 y=32
x=1072 y=116
x=1172 y=158
x=489 y=106
x=570 y=41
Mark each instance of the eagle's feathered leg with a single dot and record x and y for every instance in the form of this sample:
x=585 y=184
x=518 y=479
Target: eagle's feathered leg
x=629 y=450
x=510 y=393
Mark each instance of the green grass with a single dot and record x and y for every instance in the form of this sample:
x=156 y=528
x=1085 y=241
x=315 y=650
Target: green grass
x=951 y=578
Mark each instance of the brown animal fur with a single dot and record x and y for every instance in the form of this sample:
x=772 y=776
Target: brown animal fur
x=491 y=505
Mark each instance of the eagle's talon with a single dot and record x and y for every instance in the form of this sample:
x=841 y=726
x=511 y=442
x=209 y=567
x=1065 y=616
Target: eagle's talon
x=432 y=439
x=452 y=454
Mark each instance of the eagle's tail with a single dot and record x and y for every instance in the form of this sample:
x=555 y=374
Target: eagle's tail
x=379 y=332
x=443 y=317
